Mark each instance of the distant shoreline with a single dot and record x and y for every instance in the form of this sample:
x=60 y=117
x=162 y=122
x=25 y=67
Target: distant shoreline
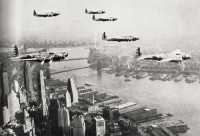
x=47 y=44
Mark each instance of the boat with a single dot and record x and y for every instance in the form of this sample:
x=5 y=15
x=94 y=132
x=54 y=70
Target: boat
x=141 y=75
x=88 y=84
x=117 y=74
x=178 y=78
x=127 y=80
x=154 y=77
x=169 y=77
x=163 y=77
x=126 y=75
x=134 y=75
x=191 y=79
x=109 y=71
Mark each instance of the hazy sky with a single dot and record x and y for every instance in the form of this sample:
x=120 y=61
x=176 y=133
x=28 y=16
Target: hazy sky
x=151 y=20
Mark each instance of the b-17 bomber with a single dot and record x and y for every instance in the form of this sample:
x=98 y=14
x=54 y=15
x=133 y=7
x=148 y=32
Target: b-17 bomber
x=104 y=19
x=120 y=39
x=94 y=12
x=176 y=56
x=43 y=57
x=48 y=14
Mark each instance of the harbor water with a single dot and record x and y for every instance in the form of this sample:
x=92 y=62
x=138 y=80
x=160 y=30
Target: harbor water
x=178 y=98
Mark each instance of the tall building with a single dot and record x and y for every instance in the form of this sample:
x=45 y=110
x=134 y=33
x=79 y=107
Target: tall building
x=43 y=94
x=13 y=104
x=100 y=126
x=72 y=90
x=64 y=121
x=16 y=50
x=53 y=116
x=6 y=113
x=68 y=99
x=78 y=126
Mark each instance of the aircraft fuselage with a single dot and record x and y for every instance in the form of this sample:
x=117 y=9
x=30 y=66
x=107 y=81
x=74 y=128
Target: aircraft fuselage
x=123 y=40
x=105 y=19
x=47 y=15
x=42 y=57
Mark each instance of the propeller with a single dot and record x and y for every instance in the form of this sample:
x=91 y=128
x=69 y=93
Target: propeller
x=51 y=60
x=43 y=61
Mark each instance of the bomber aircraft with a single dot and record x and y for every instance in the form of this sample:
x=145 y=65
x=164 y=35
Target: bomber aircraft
x=94 y=12
x=48 y=14
x=120 y=39
x=176 y=56
x=43 y=57
x=104 y=19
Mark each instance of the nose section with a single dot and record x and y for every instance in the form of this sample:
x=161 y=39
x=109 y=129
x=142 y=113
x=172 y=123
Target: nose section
x=65 y=54
x=188 y=56
x=57 y=14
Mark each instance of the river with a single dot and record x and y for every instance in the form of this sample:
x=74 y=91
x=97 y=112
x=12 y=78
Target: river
x=181 y=99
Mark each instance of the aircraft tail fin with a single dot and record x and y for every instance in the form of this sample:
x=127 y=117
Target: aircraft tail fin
x=65 y=54
x=93 y=17
x=42 y=62
x=16 y=51
x=86 y=11
x=138 y=52
x=34 y=13
x=104 y=37
x=51 y=61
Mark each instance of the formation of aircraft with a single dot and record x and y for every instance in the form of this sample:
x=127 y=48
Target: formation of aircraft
x=94 y=12
x=104 y=37
x=48 y=14
x=42 y=57
x=176 y=56
x=120 y=39
x=104 y=19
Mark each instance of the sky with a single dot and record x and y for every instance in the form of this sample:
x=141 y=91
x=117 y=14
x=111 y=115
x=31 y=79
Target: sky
x=156 y=22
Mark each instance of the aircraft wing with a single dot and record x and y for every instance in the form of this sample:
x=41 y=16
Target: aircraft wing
x=171 y=60
x=152 y=57
x=166 y=60
x=32 y=59
x=23 y=59
x=14 y=58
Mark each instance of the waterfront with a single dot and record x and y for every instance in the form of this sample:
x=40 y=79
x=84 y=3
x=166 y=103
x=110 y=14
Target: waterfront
x=180 y=99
